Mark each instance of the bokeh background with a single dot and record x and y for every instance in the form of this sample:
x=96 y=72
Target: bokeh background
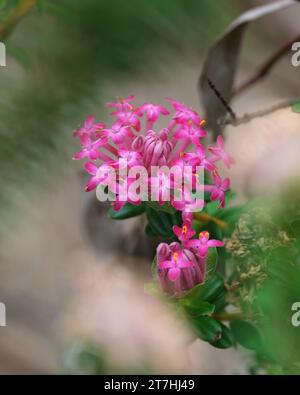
x=69 y=276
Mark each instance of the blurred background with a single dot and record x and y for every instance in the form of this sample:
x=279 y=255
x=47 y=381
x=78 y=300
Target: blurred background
x=71 y=278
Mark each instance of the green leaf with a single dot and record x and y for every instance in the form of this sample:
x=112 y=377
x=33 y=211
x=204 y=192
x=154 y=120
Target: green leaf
x=161 y=223
x=207 y=291
x=207 y=328
x=226 y=340
x=296 y=106
x=167 y=208
x=246 y=334
x=197 y=307
x=128 y=211
x=211 y=262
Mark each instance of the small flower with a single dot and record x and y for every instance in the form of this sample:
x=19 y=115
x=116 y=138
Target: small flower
x=198 y=158
x=219 y=189
x=99 y=174
x=185 y=232
x=202 y=244
x=152 y=112
x=220 y=154
x=89 y=128
x=184 y=114
x=190 y=133
x=90 y=148
x=129 y=119
x=118 y=133
x=175 y=265
x=123 y=104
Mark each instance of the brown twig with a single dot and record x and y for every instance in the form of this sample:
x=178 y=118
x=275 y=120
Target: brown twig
x=228 y=316
x=248 y=117
x=266 y=67
x=206 y=217
x=15 y=16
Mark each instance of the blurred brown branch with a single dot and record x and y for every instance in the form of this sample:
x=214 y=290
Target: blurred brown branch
x=248 y=117
x=15 y=16
x=266 y=67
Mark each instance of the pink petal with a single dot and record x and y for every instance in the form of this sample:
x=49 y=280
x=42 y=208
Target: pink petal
x=215 y=243
x=166 y=265
x=92 y=184
x=173 y=274
x=91 y=168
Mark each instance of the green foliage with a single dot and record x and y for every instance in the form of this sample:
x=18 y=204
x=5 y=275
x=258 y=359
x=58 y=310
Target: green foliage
x=226 y=339
x=160 y=223
x=296 y=106
x=127 y=211
x=246 y=334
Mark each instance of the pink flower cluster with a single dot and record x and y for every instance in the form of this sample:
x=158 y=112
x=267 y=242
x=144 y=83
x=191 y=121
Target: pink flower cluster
x=132 y=138
x=181 y=266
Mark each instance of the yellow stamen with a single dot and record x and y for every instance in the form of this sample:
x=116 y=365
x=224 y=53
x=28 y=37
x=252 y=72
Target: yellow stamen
x=184 y=230
x=181 y=154
x=175 y=256
x=203 y=122
x=204 y=234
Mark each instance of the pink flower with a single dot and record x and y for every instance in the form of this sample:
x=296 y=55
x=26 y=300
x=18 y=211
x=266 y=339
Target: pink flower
x=130 y=158
x=123 y=104
x=190 y=134
x=89 y=127
x=118 y=145
x=118 y=133
x=99 y=175
x=198 y=158
x=90 y=148
x=176 y=278
x=186 y=202
x=220 y=154
x=203 y=244
x=184 y=114
x=157 y=148
x=185 y=232
x=152 y=112
x=175 y=265
x=219 y=189
x=129 y=119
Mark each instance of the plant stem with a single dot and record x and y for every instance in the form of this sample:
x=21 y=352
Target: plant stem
x=15 y=16
x=228 y=316
x=206 y=217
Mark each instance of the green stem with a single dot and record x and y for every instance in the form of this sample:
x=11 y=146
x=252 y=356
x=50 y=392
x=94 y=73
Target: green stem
x=228 y=316
x=15 y=16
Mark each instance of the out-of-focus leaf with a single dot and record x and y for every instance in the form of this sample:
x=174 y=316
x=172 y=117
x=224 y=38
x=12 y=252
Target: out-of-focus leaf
x=208 y=291
x=296 y=106
x=226 y=339
x=128 y=211
x=211 y=262
x=246 y=334
x=221 y=63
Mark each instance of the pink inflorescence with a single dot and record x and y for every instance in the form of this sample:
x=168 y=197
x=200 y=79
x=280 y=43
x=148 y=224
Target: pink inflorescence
x=132 y=137
x=181 y=266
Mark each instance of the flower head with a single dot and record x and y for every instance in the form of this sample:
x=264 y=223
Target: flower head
x=131 y=140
